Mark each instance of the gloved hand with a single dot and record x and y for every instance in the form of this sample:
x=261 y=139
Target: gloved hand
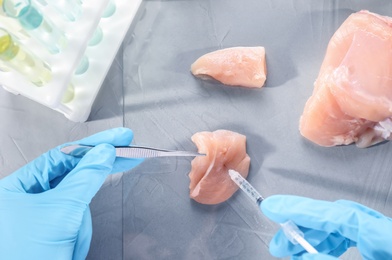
x=331 y=227
x=44 y=211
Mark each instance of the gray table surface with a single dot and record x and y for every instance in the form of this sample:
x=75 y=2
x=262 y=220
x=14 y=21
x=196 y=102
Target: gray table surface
x=147 y=213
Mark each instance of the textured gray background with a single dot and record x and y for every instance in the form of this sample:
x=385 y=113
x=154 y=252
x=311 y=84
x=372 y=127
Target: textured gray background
x=146 y=213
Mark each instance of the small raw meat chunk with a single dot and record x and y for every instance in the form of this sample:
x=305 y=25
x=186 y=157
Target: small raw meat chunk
x=210 y=182
x=352 y=96
x=237 y=66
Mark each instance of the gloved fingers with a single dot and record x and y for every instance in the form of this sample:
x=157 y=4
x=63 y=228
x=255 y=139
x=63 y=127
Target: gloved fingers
x=334 y=245
x=314 y=214
x=360 y=207
x=280 y=246
x=281 y=208
x=361 y=226
x=116 y=137
x=341 y=248
x=83 y=240
x=316 y=257
x=84 y=181
x=125 y=164
x=37 y=176
x=120 y=165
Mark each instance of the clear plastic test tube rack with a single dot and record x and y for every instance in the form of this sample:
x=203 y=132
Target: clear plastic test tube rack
x=80 y=64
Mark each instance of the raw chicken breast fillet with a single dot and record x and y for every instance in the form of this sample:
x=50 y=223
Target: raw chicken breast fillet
x=352 y=96
x=210 y=182
x=236 y=66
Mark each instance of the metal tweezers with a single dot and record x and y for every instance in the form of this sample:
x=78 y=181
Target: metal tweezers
x=79 y=150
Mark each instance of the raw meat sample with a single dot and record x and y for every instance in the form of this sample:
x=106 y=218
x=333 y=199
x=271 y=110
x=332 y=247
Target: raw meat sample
x=237 y=66
x=210 y=182
x=352 y=96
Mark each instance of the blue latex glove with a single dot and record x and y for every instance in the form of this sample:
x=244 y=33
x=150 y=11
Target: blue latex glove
x=44 y=211
x=331 y=227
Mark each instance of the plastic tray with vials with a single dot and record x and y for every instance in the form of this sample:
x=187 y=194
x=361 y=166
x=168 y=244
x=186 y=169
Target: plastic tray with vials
x=58 y=53
x=290 y=229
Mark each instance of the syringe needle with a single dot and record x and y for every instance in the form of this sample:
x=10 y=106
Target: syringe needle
x=290 y=229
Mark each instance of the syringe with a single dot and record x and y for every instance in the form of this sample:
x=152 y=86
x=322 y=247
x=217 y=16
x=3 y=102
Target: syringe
x=290 y=229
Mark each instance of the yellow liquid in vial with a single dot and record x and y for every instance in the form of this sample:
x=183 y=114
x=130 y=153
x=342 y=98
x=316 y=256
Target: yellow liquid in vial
x=17 y=59
x=69 y=94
